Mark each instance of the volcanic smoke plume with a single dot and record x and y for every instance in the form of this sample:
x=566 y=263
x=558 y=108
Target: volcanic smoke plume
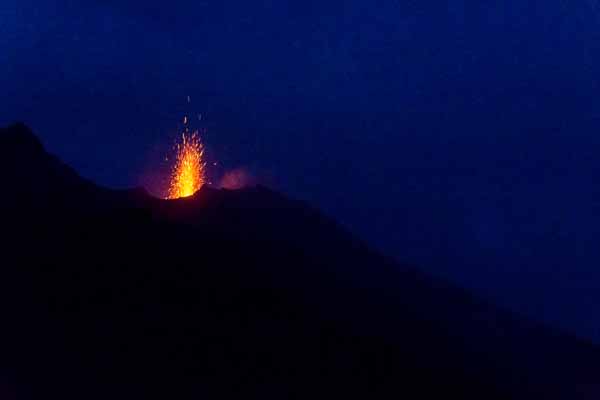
x=236 y=179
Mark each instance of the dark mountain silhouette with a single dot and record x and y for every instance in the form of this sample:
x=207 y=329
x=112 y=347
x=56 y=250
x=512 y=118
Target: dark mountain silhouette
x=238 y=294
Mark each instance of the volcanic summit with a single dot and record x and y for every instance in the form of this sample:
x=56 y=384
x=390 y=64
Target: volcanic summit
x=239 y=294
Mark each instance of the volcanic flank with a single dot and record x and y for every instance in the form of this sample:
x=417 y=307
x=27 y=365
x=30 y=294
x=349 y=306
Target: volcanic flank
x=238 y=294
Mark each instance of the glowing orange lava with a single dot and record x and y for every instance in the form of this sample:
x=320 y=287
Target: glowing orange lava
x=187 y=176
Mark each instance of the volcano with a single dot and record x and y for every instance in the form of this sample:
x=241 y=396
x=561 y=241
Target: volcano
x=239 y=294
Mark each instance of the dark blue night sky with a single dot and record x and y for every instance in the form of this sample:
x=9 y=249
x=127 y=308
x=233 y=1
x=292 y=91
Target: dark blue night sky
x=460 y=136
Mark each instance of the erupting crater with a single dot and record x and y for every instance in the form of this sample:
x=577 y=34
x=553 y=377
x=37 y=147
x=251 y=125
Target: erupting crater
x=188 y=170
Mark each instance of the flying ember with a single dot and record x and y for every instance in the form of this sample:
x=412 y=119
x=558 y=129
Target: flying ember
x=187 y=175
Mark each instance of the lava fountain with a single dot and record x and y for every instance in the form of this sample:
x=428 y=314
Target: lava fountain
x=188 y=171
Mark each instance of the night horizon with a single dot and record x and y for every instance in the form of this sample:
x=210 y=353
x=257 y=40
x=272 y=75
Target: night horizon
x=457 y=138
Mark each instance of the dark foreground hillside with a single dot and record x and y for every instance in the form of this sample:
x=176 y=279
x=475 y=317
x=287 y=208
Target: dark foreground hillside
x=238 y=294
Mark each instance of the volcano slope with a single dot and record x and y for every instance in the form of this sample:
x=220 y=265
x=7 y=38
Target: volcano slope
x=238 y=294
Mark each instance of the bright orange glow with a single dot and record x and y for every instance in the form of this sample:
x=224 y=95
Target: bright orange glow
x=187 y=176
